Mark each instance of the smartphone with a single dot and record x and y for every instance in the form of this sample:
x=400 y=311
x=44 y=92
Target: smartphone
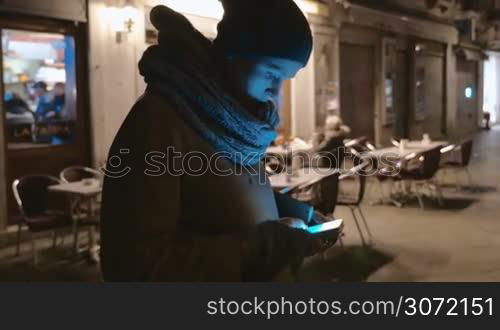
x=325 y=227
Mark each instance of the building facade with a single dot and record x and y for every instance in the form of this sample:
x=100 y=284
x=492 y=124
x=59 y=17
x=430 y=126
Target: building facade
x=390 y=68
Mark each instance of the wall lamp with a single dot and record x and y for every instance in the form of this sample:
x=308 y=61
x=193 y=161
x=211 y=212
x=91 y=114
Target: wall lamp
x=123 y=18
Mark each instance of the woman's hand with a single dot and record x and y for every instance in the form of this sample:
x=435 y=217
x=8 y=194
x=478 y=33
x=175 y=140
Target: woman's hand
x=293 y=223
x=313 y=245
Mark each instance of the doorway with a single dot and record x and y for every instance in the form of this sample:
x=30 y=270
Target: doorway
x=429 y=112
x=43 y=66
x=467 y=95
x=357 y=83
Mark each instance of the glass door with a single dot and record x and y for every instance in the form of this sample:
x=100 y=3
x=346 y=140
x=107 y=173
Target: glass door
x=44 y=93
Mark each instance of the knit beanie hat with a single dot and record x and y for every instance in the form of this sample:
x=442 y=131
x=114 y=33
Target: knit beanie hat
x=275 y=28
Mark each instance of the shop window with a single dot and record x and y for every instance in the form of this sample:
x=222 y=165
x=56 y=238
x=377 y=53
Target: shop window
x=39 y=88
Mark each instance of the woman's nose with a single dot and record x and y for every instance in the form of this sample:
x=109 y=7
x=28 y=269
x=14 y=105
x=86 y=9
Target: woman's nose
x=277 y=84
x=275 y=89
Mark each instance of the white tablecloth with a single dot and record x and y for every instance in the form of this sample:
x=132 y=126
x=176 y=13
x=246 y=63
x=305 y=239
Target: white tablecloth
x=78 y=188
x=412 y=147
x=425 y=146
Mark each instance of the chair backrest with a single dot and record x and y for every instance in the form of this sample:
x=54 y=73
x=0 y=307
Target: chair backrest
x=466 y=152
x=32 y=195
x=322 y=192
x=395 y=142
x=274 y=165
x=330 y=154
x=358 y=143
x=78 y=173
x=326 y=194
x=446 y=149
x=356 y=174
x=430 y=163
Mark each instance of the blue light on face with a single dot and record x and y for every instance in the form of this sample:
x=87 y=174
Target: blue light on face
x=468 y=92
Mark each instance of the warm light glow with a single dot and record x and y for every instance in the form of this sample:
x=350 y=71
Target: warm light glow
x=312 y=7
x=308 y=7
x=214 y=9
x=122 y=19
x=205 y=8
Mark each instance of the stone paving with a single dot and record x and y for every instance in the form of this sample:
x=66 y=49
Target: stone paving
x=457 y=242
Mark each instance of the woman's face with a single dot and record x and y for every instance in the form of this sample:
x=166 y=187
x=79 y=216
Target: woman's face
x=259 y=80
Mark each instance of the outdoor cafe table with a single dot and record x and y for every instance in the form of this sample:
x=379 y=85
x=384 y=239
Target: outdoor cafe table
x=83 y=192
x=427 y=146
x=412 y=147
x=283 y=152
x=293 y=149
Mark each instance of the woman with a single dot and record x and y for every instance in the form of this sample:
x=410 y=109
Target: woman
x=211 y=217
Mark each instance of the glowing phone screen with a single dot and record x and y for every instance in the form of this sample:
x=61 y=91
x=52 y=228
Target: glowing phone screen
x=325 y=226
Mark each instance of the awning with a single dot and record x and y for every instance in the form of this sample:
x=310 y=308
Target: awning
x=72 y=10
x=471 y=54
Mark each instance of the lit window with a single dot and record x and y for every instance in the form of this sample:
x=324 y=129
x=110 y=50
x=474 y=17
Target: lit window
x=39 y=88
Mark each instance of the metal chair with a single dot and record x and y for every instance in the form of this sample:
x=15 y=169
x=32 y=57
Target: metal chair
x=80 y=211
x=40 y=211
x=420 y=170
x=464 y=150
x=361 y=146
x=78 y=173
x=330 y=153
x=357 y=142
x=352 y=198
x=322 y=194
x=274 y=164
x=394 y=142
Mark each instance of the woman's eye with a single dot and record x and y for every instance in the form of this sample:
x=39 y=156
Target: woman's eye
x=269 y=75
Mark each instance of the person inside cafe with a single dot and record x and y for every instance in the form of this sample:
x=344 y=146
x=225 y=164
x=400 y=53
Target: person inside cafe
x=19 y=117
x=58 y=100
x=331 y=148
x=486 y=117
x=14 y=103
x=170 y=216
x=43 y=100
x=50 y=105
